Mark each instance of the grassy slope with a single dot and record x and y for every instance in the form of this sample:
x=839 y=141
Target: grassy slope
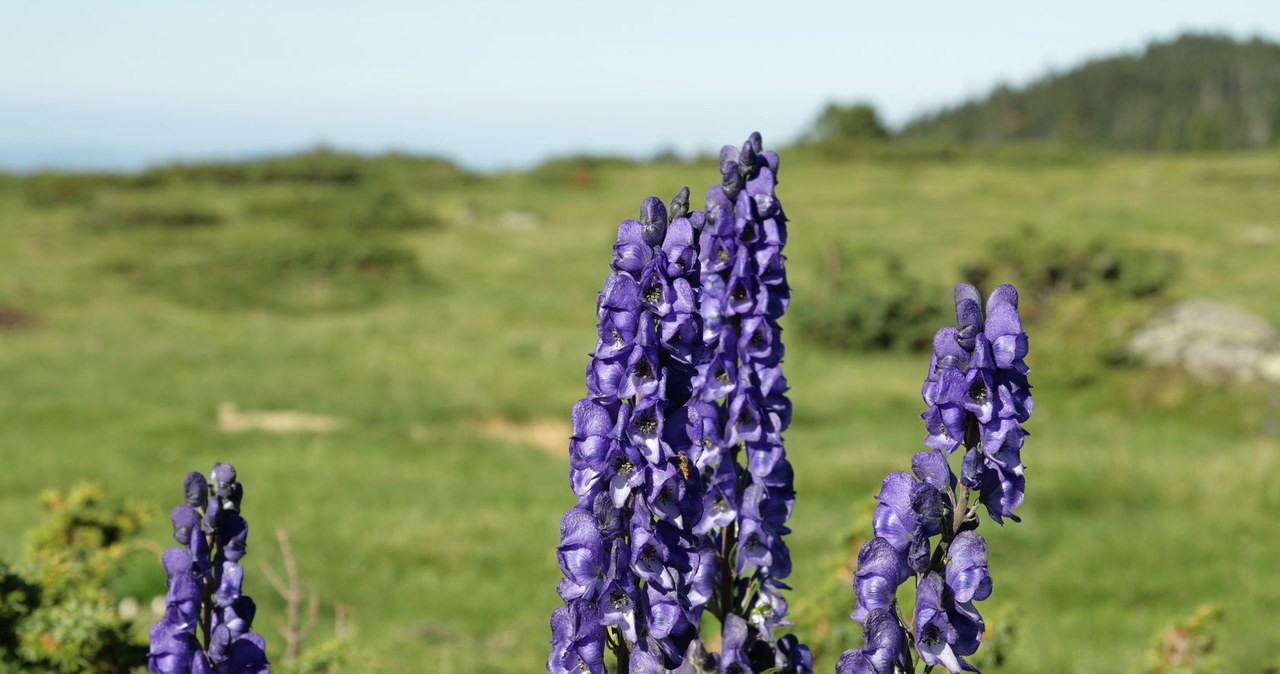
x=1147 y=495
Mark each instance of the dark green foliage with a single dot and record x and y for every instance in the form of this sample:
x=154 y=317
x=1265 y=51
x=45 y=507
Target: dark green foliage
x=575 y=171
x=66 y=189
x=292 y=274
x=848 y=123
x=169 y=214
x=1190 y=647
x=1042 y=268
x=55 y=615
x=1194 y=92
x=211 y=172
x=319 y=166
x=354 y=210
x=869 y=303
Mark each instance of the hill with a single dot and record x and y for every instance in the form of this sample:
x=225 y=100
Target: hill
x=1194 y=92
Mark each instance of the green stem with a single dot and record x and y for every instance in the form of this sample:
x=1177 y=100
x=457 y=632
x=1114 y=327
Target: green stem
x=206 y=614
x=728 y=539
x=624 y=656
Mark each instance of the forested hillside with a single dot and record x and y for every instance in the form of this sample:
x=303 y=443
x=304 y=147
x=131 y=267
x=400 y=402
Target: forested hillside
x=1194 y=92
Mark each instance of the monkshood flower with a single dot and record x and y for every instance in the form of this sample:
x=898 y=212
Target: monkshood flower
x=206 y=623
x=924 y=521
x=978 y=396
x=743 y=411
x=635 y=577
x=884 y=648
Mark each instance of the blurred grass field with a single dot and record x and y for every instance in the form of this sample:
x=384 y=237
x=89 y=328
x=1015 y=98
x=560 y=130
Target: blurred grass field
x=449 y=325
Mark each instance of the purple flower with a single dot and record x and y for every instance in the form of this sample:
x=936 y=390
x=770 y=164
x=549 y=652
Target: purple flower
x=581 y=555
x=938 y=641
x=172 y=644
x=793 y=657
x=978 y=398
x=741 y=394
x=967 y=575
x=676 y=457
x=875 y=583
x=698 y=661
x=577 y=640
x=734 y=634
x=884 y=649
x=629 y=560
x=207 y=620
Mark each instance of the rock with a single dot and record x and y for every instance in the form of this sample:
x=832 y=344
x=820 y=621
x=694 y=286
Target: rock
x=519 y=220
x=1212 y=341
x=232 y=420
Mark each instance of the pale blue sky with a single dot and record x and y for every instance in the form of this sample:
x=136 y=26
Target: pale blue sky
x=494 y=84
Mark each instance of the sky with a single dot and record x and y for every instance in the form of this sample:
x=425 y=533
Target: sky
x=505 y=84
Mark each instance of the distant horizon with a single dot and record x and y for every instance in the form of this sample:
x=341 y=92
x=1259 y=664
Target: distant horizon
x=510 y=86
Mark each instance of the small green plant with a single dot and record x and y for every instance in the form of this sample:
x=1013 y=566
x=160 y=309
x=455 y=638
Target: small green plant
x=291 y=274
x=1188 y=647
x=130 y=214
x=381 y=210
x=870 y=305
x=48 y=189
x=1048 y=267
x=321 y=165
x=848 y=124
x=574 y=171
x=55 y=615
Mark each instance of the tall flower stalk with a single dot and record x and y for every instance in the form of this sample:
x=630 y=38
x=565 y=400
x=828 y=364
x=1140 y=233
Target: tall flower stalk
x=978 y=398
x=743 y=410
x=676 y=456
x=206 y=622
x=634 y=578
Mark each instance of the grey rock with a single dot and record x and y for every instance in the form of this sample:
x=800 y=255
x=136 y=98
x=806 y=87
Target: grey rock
x=1212 y=341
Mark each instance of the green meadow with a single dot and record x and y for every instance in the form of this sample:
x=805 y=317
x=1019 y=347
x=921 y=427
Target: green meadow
x=446 y=318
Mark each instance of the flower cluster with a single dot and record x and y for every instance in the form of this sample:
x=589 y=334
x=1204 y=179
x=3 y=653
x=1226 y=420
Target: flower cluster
x=635 y=578
x=206 y=621
x=683 y=488
x=743 y=409
x=978 y=397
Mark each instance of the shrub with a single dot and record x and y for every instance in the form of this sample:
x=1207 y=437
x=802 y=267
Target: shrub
x=49 y=189
x=151 y=214
x=217 y=173
x=848 y=123
x=575 y=171
x=1046 y=267
x=290 y=274
x=55 y=615
x=321 y=165
x=361 y=211
x=873 y=307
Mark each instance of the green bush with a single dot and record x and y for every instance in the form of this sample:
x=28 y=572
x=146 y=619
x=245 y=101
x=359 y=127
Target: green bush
x=55 y=615
x=355 y=210
x=291 y=274
x=321 y=165
x=848 y=123
x=48 y=189
x=127 y=214
x=574 y=171
x=216 y=173
x=868 y=302
x=1042 y=268
x=872 y=304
